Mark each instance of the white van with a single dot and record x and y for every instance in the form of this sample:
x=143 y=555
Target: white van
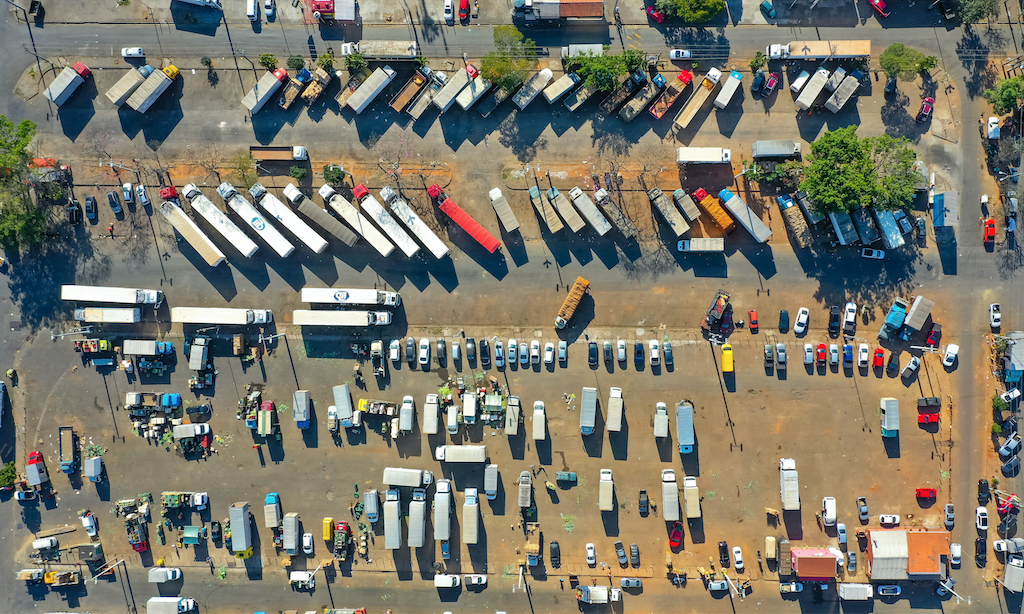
x=798 y=83
x=45 y=543
x=453 y=419
x=828 y=511
x=446 y=580
x=253 y=10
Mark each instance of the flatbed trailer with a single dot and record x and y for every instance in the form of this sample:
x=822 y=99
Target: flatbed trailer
x=350 y=87
x=614 y=214
x=571 y=302
x=713 y=207
x=566 y=210
x=820 y=50
x=675 y=89
x=576 y=99
x=632 y=109
x=494 y=101
x=545 y=210
x=533 y=86
x=423 y=101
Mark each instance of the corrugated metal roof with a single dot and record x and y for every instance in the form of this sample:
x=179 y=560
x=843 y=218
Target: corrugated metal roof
x=810 y=563
x=888 y=554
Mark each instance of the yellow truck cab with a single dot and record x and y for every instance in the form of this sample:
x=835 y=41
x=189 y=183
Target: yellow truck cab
x=727 y=366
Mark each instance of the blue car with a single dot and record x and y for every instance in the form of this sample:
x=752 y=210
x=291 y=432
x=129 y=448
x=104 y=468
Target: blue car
x=768 y=9
x=847 y=355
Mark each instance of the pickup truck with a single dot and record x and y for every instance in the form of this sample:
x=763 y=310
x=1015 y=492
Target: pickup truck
x=294 y=88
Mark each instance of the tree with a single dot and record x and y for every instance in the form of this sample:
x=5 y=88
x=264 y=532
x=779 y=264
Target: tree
x=972 y=11
x=758 y=62
x=893 y=169
x=243 y=165
x=298 y=173
x=633 y=60
x=1007 y=96
x=334 y=175
x=355 y=63
x=14 y=142
x=601 y=72
x=513 y=58
x=326 y=61
x=206 y=61
x=296 y=62
x=902 y=62
x=268 y=61
x=8 y=475
x=693 y=11
x=838 y=177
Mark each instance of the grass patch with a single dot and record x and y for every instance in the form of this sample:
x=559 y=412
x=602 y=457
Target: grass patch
x=709 y=495
x=568 y=522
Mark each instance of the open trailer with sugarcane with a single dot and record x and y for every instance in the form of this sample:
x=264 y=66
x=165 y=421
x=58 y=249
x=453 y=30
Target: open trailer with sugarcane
x=571 y=302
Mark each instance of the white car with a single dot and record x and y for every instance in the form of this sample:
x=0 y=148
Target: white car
x=449 y=10
x=512 y=351
x=499 y=353
x=474 y=579
x=954 y=553
x=950 y=356
x=850 y=318
x=995 y=315
x=535 y=352
x=808 y=354
x=872 y=254
x=620 y=349
x=307 y=543
x=841 y=532
x=737 y=557
x=718 y=585
x=524 y=354
x=268 y=7
x=892 y=519
x=89 y=522
x=424 y=351
x=128 y=193
x=591 y=555
x=803 y=316
x=549 y=353
x=200 y=500
x=132 y=52
x=981 y=518
x=563 y=351
x=203 y=429
x=395 y=351
x=655 y=352
x=140 y=191
x=680 y=54
x=833 y=354
x=863 y=355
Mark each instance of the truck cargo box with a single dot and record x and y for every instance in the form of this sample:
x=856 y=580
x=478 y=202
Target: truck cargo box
x=669 y=496
x=125 y=87
x=743 y=214
x=729 y=88
x=66 y=83
x=606 y=495
x=614 y=421
x=684 y=427
x=588 y=410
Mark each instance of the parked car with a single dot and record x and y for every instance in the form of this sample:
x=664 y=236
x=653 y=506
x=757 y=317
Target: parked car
x=644 y=506
x=90 y=207
x=524 y=354
x=780 y=354
x=631 y=583
x=783 y=321
x=841 y=532
x=535 y=352
x=463 y=9
x=752 y=318
x=424 y=351
x=922 y=228
x=808 y=353
x=925 y=112
x=638 y=352
x=833 y=321
x=655 y=352
x=847 y=356
x=74 y=213
x=395 y=350
x=879 y=358
x=891 y=519
x=128 y=193
x=89 y=523
x=770 y=84
x=995 y=315
x=911 y=367
x=140 y=191
x=1011 y=467
x=768 y=9
x=862 y=508
x=791 y=587
x=833 y=354
x=737 y=557
x=872 y=254
x=981 y=551
x=718 y=585
x=133 y=52
x=769 y=355
x=592 y=353
x=934 y=334
x=307 y=543
x=851 y=558
x=513 y=354
x=634 y=555
x=981 y=518
x=410 y=350
x=758 y=83
x=268 y=8
x=449 y=10
x=666 y=349
x=549 y=353
x=200 y=500
x=803 y=317
x=485 y=352
x=950 y=513
x=863 y=355
x=990 y=230
x=679 y=54
x=471 y=348
x=655 y=14
x=955 y=552
x=949 y=357
x=563 y=351
x=821 y=354
x=620 y=348
x=983 y=492
x=723 y=553
x=850 y=318
x=676 y=536
x=620 y=551
x=555 y=554
x=591 y=555
x=474 y=579
x=115 y=204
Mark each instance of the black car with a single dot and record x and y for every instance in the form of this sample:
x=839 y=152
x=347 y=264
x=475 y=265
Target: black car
x=983 y=492
x=922 y=228
x=666 y=351
x=634 y=555
x=783 y=321
x=723 y=554
x=607 y=351
x=981 y=551
x=90 y=207
x=758 y=81
x=470 y=348
x=410 y=350
x=833 y=321
x=1011 y=467
x=638 y=352
x=556 y=554
x=592 y=353
x=645 y=502
x=74 y=213
x=485 y=353
x=115 y=202
x=621 y=552
x=215 y=531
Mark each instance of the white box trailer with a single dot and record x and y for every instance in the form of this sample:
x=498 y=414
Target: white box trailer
x=729 y=88
x=356 y=221
x=836 y=79
x=219 y=220
x=192 y=235
x=290 y=530
x=109 y=316
x=443 y=510
x=473 y=92
x=374 y=85
x=104 y=294
x=407 y=415
x=146 y=347
x=469 y=407
x=287 y=218
x=789 y=484
x=691 y=496
x=66 y=83
x=257 y=222
x=588 y=410
x=513 y=413
x=392 y=520
x=381 y=50
x=170 y=605
x=373 y=209
x=445 y=98
x=669 y=496
x=842 y=95
x=306 y=317
x=739 y=210
x=589 y=211
x=264 y=90
x=417 y=518
x=220 y=315
x=491 y=482
x=525 y=482
x=1013 y=575
x=471 y=517
x=703 y=155
x=531 y=88
x=404 y=214
x=414 y=478
x=241 y=529
x=684 y=427
x=318 y=216
x=661 y=420
x=504 y=211
x=614 y=422
x=351 y=296
x=813 y=88
x=461 y=454
x=431 y=417
x=606 y=496
x=539 y=422
x=125 y=87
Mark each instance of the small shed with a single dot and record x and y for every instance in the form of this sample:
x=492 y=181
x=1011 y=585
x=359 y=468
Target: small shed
x=192 y=535
x=890 y=408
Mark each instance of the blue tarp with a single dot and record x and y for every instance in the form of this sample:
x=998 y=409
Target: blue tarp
x=172 y=399
x=896 y=317
x=946 y=210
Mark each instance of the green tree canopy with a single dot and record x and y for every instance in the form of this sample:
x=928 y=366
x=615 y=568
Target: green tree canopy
x=693 y=11
x=296 y=62
x=513 y=58
x=8 y=475
x=904 y=62
x=325 y=61
x=1007 y=96
x=972 y=11
x=22 y=222
x=268 y=61
x=355 y=63
x=600 y=72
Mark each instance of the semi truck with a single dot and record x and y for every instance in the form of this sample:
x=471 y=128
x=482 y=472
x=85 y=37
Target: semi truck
x=240 y=523
x=412 y=478
x=318 y=216
x=146 y=347
x=703 y=155
x=525 y=482
x=614 y=423
x=533 y=86
x=219 y=220
x=669 y=496
x=473 y=92
x=729 y=89
x=151 y=89
x=408 y=91
x=101 y=294
x=264 y=90
x=798 y=229
x=588 y=410
x=381 y=50
x=844 y=92
x=170 y=605
x=392 y=520
x=545 y=210
x=660 y=420
x=294 y=87
x=351 y=296
x=321 y=78
x=464 y=220
x=503 y=210
x=445 y=98
x=220 y=315
x=568 y=308
x=843 y=226
x=66 y=438
x=290 y=533
x=443 y=510
x=619 y=97
x=739 y=209
x=376 y=212
x=561 y=204
x=789 y=484
x=257 y=222
x=813 y=88
x=109 y=316
x=714 y=208
x=684 y=427
x=668 y=212
x=697 y=100
x=561 y=87
x=355 y=219
x=819 y=50
x=589 y=211
x=287 y=218
x=195 y=237
x=691 y=497
x=471 y=517
x=404 y=214
x=127 y=85
x=865 y=226
x=675 y=89
x=417 y=518
x=461 y=454
x=67 y=82
x=576 y=99
x=614 y=214
x=638 y=103
x=701 y=244
x=606 y=495
x=303 y=317
x=275 y=153
x=374 y=85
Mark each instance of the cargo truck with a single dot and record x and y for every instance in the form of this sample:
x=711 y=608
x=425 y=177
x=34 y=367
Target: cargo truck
x=684 y=427
x=473 y=92
x=504 y=211
x=272 y=511
x=789 y=484
x=404 y=214
x=290 y=531
x=533 y=86
x=164 y=574
x=819 y=50
x=264 y=90
x=669 y=496
x=66 y=83
x=849 y=591
x=257 y=222
x=375 y=211
x=356 y=221
x=835 y=79
x=703 y=155
x=318 y=216
x=392 y=520
x=351 y=296
x=588 y=410
x=794 y=218
x=525 y=482
x=844 y=92
x=220 y=315
x=126 y=86
x=431 y=417
x=445 y=98
x=713 y=207
x=274 y=153
x=354 y=81
x=589 y=211
x=426 y=97
x=545 y=210
x=619 y=97
x=917 y=315
x=696 y=102
x=561 y=204
x=151 y=89
x=471 y=517
x=660 y=420
x=287 y=218
x=513 y=415
x=539 y=421
x=701 y=244
x=533 y=537
x=865 y=226
x=614 y=214
x=813 y=88
x=729 y=88
x=374 y=85
x=606 y=495
x=66 y=437
x=443 y=510
x=488 y=106
x=739 y=209
x=894 y=319
x=614 y=423
x=490 y=482
x=219 y=220
x=321 y=78
x=668 y=212
x=638 y=103
x=303 y=317
x=412 y=478
x=807 y=207
x=192 y=235
x=109 y=316
x=102 y=294
x=381 y=50
x=343 y=409
x=464 y=220
x=561 y=87
x=408 y=92
x=146 y=347
x=301 y=408
x=417 y=518
x=598 y=594
x=461 y=454
x=889 y=228
x=675 y=88
x=294 y=87
x=241 y=529
x=565 y=312
x=691 y=497
x=577 y=98
x=775 y=149
x=170 y=605
x=213 y=4
x=842 y=224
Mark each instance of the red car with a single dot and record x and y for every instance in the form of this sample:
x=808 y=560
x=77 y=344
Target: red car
x=463 y=9
x=655 y=14
x=879 y=357
x=752 y=316
x=990 y=230
x=927 y=418
x=769 y=85
x=821 y=353
x=933 y=336
x=926 y=493
x=925 y=113
x=879 y=6
x=676 y=536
